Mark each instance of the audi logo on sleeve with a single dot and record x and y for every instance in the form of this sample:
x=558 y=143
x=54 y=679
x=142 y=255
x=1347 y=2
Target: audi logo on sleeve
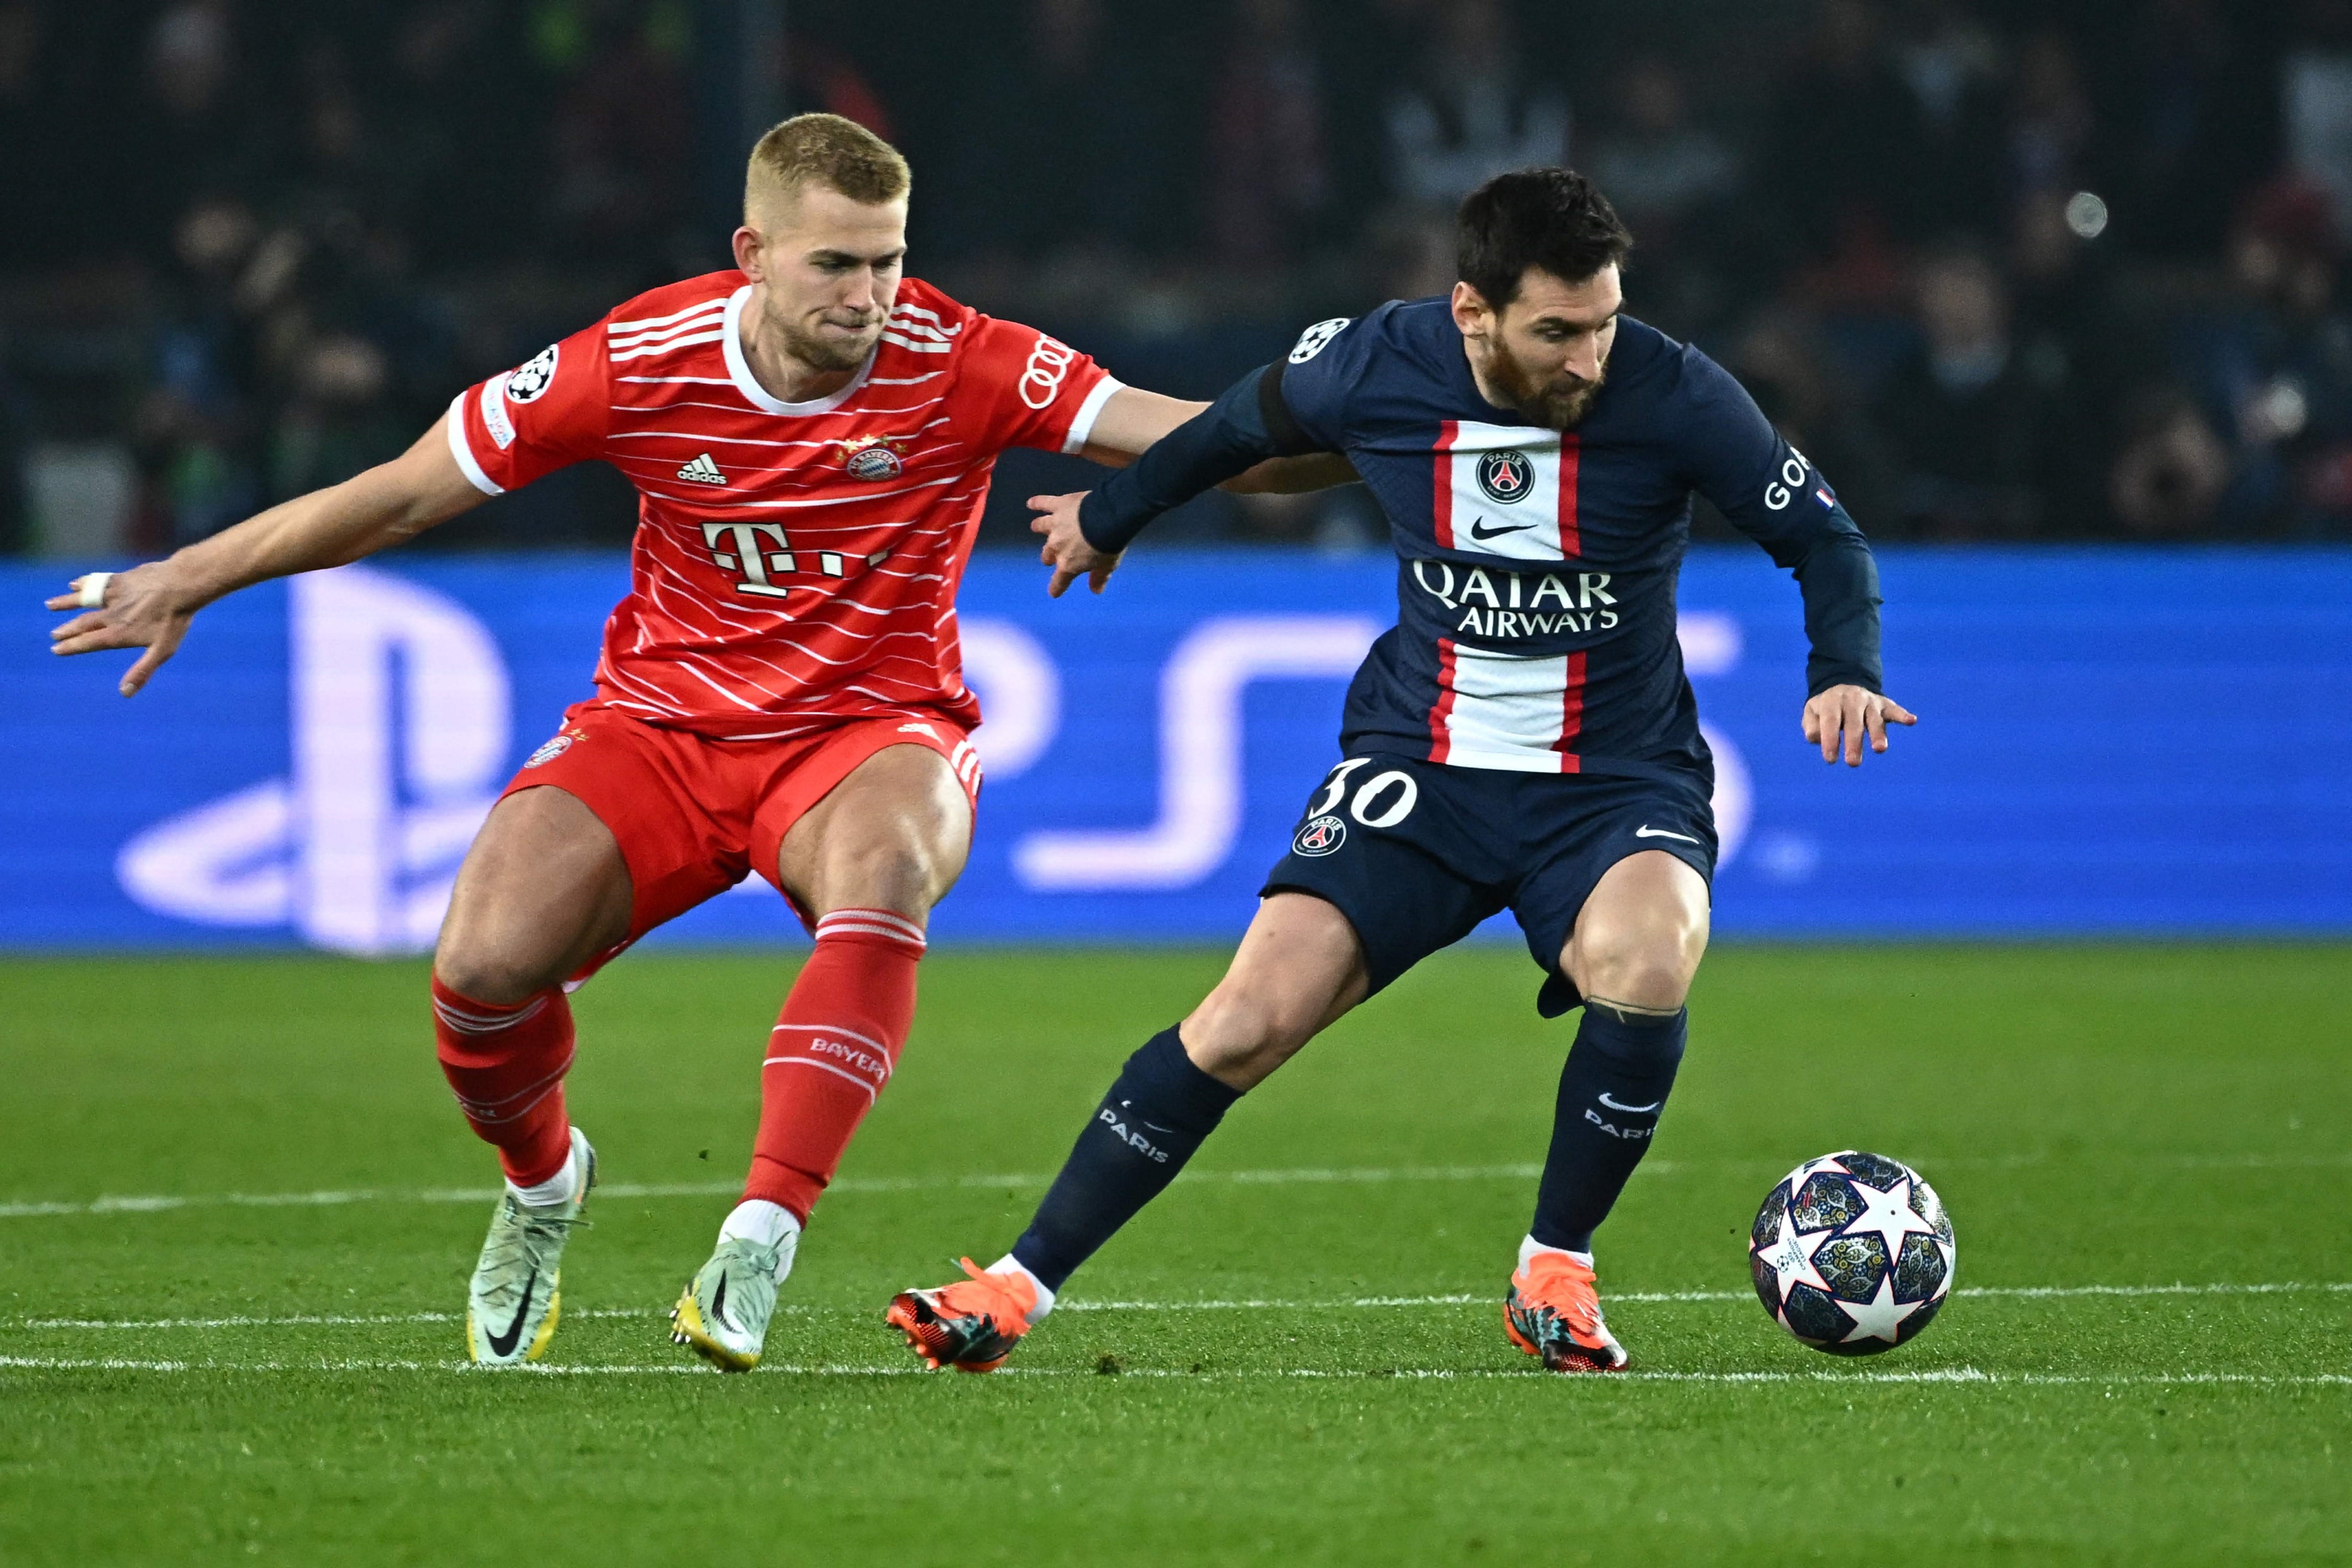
x=1040 y=380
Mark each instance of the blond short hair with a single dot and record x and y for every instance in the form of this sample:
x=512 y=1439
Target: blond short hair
x=825 y=150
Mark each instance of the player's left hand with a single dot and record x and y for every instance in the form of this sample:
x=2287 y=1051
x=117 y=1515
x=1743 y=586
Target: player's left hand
x=146 y=607
x=1066 y=549
x=1845 y=715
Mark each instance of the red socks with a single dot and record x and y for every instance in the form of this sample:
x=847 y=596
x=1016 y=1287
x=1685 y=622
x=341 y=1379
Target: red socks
x=831 y=1051
x=507 y=1066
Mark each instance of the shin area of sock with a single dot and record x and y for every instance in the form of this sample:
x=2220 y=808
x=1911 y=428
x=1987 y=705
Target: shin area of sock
x=833 y=1049
x=1157 y=1115
x=1613 y=1089
x=505 y=1063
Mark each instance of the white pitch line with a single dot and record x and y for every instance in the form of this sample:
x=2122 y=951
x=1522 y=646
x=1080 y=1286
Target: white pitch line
x=163 y=1203
x=2012 y=1292
x=1966 y=1375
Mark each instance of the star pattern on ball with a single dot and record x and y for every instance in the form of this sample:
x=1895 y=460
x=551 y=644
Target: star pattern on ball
x=1951 y=1260
x=1887 y=1212
x=1811 y=1168
x=1789 y=1256
x=1880 y=1318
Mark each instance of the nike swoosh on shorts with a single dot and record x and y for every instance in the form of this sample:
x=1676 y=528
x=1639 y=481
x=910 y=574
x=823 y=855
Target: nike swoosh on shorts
x=1646 y=831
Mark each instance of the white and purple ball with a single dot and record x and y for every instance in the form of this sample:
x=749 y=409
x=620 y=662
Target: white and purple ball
x=1852 y=1253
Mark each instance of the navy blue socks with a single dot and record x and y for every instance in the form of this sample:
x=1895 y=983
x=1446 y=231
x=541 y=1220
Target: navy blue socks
x=1615 y=1083
x=1155 y=1116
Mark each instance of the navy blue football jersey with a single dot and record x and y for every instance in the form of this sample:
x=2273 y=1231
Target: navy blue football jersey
x=1536 y=568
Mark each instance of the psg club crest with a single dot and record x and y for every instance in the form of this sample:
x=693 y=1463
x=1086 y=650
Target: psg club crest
x=1505 y=476
x=1319 y=835
x=533 y=377
x=872 y=459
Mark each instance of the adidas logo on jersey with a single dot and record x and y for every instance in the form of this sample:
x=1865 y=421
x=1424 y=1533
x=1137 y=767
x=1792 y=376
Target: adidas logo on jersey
x=702 y=471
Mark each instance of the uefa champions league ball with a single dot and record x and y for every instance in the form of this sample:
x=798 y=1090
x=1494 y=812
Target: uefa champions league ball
x=1852 y=1253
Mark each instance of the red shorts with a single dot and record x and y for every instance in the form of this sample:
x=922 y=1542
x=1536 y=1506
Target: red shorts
x=693 y=815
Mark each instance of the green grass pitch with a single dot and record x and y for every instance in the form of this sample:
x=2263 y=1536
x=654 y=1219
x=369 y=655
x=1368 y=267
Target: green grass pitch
x=1295 y=1357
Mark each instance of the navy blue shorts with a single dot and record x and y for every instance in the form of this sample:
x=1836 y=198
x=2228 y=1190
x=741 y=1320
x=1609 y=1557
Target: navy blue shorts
x=1416 y=853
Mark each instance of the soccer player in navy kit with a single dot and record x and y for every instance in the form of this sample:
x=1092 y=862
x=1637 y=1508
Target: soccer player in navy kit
x=1522 y=738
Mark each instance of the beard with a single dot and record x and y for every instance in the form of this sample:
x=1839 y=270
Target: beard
x=1559 y=404
x=825 y=351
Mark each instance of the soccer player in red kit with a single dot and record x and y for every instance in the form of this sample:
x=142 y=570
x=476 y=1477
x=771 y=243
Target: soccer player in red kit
x=811 y=436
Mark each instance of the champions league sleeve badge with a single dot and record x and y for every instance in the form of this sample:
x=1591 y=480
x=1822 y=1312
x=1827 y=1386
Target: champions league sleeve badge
x=532 y=377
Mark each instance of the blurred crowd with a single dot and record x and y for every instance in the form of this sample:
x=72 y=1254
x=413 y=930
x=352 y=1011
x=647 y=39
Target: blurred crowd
x=2008 y=271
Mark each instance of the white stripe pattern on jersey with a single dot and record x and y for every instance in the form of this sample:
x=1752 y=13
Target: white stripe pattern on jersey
x=704 y=324
x=912 y=327
x=695 y=320
x=673 y=316
x=1508 y=712
x=717 y=331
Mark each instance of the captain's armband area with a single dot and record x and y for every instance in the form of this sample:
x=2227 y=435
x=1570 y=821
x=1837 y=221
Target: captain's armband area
x=1290 y=438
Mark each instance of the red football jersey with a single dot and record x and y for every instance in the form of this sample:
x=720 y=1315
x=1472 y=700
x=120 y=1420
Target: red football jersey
x=795 y=563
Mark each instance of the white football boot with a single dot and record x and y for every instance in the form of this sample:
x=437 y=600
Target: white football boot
x=516 y=1296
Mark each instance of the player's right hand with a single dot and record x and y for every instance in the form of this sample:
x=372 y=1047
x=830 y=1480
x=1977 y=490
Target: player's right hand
x=1066 y=549
x=142 y=610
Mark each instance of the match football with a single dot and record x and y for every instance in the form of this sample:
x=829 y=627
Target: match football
x=1055 y=783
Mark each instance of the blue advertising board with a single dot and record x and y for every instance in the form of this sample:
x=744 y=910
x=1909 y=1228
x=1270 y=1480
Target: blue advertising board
x=2111 y=741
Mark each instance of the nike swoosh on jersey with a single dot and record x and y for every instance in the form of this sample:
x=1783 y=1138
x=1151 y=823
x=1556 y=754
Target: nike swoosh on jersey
x=1479 y=530
x=502 y=1345
x=1646 y=831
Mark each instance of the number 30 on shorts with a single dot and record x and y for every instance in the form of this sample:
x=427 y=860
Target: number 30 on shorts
x=1382 y=800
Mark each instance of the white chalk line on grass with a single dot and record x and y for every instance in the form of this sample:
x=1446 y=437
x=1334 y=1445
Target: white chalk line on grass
x=1315 y=1175
x=165 y=1203
x=385 y=1319
x=1969 y=1375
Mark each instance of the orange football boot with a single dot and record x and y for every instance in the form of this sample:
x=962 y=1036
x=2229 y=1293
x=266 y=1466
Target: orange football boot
x=1554 y=1311
x=970 y=1325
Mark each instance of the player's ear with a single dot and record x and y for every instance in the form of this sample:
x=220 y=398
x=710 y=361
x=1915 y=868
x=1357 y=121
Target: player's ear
x=1471 y=312
x=747 y=244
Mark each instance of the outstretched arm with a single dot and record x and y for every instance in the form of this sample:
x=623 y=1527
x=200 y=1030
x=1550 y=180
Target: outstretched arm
x=1245 y=428
x=1133 y=420
x=1839 y=578
x=150 y=606
x=1771 y=492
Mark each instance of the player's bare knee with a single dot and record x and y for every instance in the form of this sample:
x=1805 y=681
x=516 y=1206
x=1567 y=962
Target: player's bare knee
x=1649 y=966
x=1240 y=1034
x=486 y=974
x=906 y=878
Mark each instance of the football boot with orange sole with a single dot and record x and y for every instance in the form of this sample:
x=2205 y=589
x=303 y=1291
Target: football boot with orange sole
x=970 y=1325
x=1554 y=1312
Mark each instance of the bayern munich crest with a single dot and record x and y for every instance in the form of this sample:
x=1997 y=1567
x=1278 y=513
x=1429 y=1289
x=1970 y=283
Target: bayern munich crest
x=1505 y=476
x=550 y=750
x=1319 y=835
x=876 y=462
